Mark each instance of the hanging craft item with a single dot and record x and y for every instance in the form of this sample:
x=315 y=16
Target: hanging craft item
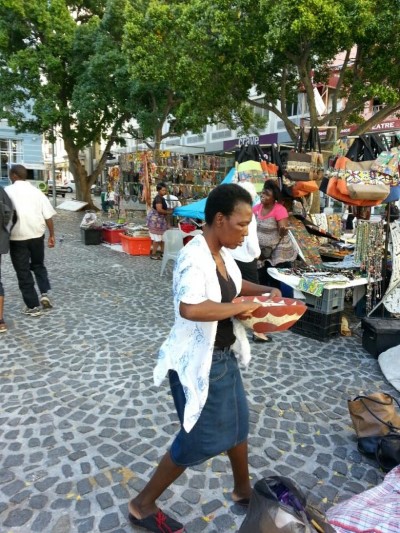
x=391 y=299
x=298 y=162
x=306 y=242
x=304 y=166
x=306 y=162
x=369 y=251
x=353 y=180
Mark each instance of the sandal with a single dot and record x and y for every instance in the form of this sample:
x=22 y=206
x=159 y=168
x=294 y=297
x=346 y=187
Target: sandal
x=244 y=502
x=158 y=522
x=3 y=326
x=260 y=339
x=154 y=257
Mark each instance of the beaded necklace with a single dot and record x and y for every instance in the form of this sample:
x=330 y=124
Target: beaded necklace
x=369 y=251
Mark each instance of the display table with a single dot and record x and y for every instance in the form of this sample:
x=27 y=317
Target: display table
x=293 y=281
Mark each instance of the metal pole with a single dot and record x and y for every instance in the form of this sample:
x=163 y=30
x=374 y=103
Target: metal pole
x=53 y=170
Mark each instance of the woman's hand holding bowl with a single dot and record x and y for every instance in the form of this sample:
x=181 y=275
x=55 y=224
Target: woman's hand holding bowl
x=247 y=309
x=275 y=293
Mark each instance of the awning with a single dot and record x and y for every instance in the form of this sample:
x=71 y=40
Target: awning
x=34 y=166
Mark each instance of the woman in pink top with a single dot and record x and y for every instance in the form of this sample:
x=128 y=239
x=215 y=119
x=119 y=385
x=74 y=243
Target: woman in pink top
x=272 y=230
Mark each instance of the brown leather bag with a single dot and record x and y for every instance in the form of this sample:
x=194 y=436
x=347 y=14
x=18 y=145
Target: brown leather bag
x=375 y=414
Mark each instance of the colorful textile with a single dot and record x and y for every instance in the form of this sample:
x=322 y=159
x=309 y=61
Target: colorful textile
x=321 y=221
x=306 y=242
x=373 y=511
x=156 y=222
x=334 y=224
x=317 y=282
x=312 y=286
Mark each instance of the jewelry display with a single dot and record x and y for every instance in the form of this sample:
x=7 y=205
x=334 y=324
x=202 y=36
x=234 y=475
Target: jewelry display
x=369 y=251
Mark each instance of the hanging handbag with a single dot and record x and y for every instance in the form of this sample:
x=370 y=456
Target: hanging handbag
x=362 y=191
x=387 y=163
x=298 y=166
x=333 y=192
x=270 y=169
x=313 y=146
x=352 y=181
x=250 y=171
x=302 y=188
x=277 y=505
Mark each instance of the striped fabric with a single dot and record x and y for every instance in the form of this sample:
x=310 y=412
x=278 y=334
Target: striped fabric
x=375 y=510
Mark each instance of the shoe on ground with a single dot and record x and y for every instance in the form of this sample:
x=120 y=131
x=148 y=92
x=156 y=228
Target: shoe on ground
x=45 y=301
x=158 y=522
x=3 y=326
x=256 y=338
x=34 y=311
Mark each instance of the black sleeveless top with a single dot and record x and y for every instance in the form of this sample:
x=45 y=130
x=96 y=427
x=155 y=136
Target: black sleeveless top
x=225 y=336
x=160 y=200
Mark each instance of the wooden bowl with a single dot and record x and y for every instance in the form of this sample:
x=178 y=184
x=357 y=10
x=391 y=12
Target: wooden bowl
x=274 y=314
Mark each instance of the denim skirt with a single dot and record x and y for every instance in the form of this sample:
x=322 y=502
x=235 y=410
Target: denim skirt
x=224 y=420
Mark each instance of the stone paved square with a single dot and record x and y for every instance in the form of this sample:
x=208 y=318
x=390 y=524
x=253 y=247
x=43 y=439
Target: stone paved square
x=83 y=426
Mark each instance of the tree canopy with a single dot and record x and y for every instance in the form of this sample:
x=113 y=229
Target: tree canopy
x=301 y=42
x=61 y=68
x=184 y=75
x=89 y=67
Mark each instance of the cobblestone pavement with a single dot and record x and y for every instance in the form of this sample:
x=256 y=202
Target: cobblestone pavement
x=82 y=426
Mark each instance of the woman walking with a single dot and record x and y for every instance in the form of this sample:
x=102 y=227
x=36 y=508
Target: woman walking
x=203 y=370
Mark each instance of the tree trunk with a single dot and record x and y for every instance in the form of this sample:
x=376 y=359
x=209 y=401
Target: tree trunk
x=83 y=181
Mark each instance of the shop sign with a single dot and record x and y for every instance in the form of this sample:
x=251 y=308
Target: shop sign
x=386 y=125
x=268 y=138
x=249 y=140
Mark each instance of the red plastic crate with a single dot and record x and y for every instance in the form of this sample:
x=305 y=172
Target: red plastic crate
x=136 y=245
x=112 y=235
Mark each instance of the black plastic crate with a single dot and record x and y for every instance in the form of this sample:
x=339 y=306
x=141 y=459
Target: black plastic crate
x=318 y=326
x=331 y=301
x=91 y=236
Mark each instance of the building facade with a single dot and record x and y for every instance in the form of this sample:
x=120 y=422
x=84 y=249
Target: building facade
x=21 y=148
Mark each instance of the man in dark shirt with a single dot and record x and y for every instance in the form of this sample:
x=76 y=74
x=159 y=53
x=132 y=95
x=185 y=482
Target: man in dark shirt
x=6 y=220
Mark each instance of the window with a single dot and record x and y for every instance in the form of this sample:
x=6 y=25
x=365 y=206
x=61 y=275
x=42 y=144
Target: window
x=10 y=152
x=376 y=105
x=260 y=110
x=292 y=109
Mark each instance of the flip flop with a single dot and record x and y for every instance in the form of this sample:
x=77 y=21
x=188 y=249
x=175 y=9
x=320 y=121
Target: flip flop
x=259 y=339
x=244 y=502
x=158 y=522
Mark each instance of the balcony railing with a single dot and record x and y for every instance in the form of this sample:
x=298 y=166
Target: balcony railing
x=376 y=108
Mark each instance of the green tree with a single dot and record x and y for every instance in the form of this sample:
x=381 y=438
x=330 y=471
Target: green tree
x=302 y=40
x=184 y=76
x=61 y=68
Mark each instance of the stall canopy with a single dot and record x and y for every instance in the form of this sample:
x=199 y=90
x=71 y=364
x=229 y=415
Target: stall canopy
x=196 y=209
